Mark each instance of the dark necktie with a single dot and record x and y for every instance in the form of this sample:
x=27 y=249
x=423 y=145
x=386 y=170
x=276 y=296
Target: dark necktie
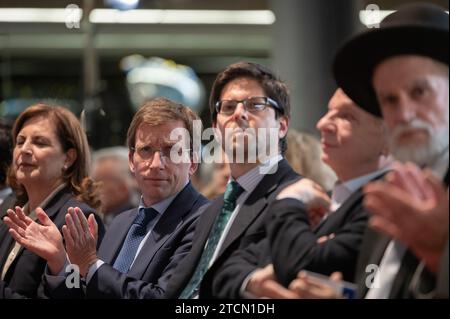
x=229 y=203
x=135 y=235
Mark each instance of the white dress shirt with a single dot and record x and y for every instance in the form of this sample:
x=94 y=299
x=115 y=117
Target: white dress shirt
x=343 y=190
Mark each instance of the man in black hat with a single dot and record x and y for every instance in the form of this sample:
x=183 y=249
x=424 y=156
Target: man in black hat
x=400 y=72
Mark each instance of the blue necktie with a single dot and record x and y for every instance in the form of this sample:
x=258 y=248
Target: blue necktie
x=233 y=191
x=135 y=235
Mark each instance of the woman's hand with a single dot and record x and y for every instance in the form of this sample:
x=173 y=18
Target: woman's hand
x=43 y=239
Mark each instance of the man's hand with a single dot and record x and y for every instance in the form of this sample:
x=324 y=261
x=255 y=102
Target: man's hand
x=44 y=240
x=312 y=195
x=81 y=239
x=307 y=287
x=412 y=207
x=262 y=284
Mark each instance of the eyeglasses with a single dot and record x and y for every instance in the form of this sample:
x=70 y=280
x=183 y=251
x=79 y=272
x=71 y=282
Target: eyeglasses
x=253 y=105
x=147 y=152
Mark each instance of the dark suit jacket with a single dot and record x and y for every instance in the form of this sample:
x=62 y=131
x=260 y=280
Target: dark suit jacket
x=291 y=246
x=24 y=276
x=372 y=251
x=8 y=202
x=247 y=228
x=442 y=278
x=168 y=243
x=8 y=293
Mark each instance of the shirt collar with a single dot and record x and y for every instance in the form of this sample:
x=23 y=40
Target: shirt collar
x=356 y=183
x=251 y=179
x=161 y=206
x=342 y=191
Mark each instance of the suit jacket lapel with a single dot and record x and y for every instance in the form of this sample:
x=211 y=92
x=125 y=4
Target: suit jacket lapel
x=6 y=242
x=204 y=225
x=58 y=201
x=255 y=203
x=112 y=243
x=166 y=226
x=401 y=282
x=372 y=251
x=51 y=209
x=376 y=245
x=346 y=207
x=242 y=221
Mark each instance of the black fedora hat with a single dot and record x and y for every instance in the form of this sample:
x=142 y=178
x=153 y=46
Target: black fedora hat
x=418 y=29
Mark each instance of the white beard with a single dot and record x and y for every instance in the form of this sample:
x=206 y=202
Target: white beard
x=421 y=155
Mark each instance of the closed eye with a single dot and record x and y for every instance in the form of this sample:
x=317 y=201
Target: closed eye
x=418 y=92
x=388 y=100
x=41 y=142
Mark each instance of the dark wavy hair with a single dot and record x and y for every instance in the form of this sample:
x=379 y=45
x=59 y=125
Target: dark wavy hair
x=271 y=84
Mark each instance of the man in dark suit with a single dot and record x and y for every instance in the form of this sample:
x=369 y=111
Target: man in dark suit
x=400 y=72
x=354 y=146
x=143 y=245
x=248 y=103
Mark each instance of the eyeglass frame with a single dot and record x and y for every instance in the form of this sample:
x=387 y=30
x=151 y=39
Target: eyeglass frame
x=159 y=150
x=268 y=102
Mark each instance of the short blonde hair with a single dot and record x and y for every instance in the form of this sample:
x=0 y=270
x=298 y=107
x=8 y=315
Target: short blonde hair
x=159 y=111
x=304 y=155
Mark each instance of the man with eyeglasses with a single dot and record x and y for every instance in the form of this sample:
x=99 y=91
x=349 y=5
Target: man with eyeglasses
x=143 y=245
x=250 y=107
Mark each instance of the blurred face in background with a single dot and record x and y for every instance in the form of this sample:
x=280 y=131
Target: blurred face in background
x=114 y=190
x=413 y=95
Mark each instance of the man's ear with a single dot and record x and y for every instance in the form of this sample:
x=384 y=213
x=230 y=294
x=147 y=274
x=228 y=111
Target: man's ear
x=131 y=161
x=193 y=168
x=284 y=124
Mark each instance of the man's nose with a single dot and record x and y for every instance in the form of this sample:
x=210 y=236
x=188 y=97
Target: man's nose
x=157 y=161
x=405 y=111
x=241 y=111
x=325 y=125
